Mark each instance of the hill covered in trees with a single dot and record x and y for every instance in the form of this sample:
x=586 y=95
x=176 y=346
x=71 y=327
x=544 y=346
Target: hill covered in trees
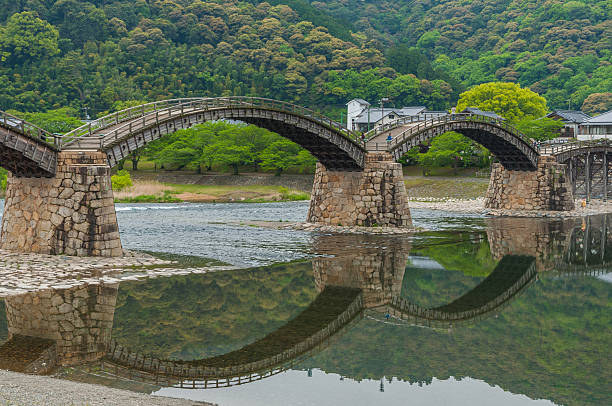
x=560 y=49
x=91 y=54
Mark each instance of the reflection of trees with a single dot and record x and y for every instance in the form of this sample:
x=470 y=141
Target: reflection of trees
x=3 y=326
x=544 y=346
x=196 y=316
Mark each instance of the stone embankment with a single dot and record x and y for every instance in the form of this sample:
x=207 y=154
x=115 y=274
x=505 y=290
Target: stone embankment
x=22 y=273
x=30 y=390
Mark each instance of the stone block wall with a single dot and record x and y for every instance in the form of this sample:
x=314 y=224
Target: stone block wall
x=375 y=196
x=71 y=214
x=78 y=319
x=547 y=188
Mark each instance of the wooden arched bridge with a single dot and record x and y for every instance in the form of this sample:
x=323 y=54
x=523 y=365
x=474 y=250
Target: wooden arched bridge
x=358 y=180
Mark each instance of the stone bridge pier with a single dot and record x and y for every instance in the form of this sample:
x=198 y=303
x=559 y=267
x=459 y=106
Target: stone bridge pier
x=546 y=188
x=375 y=196
x=72 y=213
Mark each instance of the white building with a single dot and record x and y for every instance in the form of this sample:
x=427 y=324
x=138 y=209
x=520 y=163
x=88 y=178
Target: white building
x=360 y=116
x=598 y=127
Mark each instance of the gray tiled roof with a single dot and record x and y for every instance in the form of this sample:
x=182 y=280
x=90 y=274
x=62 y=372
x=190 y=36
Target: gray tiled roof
x=573 y=116
x=602 y=119
x=376 y=113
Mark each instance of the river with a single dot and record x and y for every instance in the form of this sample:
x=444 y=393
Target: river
x=467 y=311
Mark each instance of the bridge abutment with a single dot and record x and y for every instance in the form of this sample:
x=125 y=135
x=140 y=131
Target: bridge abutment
x=375 y=196
x=72 y=213
x=546 y=188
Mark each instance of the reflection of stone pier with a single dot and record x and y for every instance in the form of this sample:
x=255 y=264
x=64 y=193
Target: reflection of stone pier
x=374 y=264
x=556 y=244
x=77 y=320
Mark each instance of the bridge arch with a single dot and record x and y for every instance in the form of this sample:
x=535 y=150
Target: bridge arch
x=123 y=132
x=513 y=150
x=25 y=149
x=512 y=275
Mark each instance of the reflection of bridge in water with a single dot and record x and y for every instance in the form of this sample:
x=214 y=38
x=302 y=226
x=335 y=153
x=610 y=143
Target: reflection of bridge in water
x=355 y=275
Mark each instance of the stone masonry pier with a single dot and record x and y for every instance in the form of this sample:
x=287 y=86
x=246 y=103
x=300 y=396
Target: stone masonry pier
x=72 y=213
x=375 y=196
x=546 y=188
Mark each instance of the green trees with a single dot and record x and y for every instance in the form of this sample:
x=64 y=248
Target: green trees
x=26 y=36
x=121 y=180
x=58 y=121
x=231 y=145
x=540 y=129
x=453 y=149
x=506 y=99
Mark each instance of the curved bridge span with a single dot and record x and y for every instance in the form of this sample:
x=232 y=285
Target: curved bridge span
x=513 y=149
x=126 y=131
x=25 y=149
x=330 y=313
x=510 y=277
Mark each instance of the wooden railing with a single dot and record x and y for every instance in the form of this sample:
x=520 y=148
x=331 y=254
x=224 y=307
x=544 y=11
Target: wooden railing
x=151 y=113
x=554 y=149
x=28 y=129
x=137 y=364
x=418 y=126
x=401 y=122
x=406 y=308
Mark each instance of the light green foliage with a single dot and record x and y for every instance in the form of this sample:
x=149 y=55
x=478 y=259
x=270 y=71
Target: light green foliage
x=121 y=180
x=55 y=121
x=233 y=155
x=453 y=149
x=540 y=129
x=26 y=36
x=280 y=155
x=230 y=145
x=506 y=99
x=3 y=179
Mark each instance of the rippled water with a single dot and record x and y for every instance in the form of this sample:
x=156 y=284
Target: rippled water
x=530 y=301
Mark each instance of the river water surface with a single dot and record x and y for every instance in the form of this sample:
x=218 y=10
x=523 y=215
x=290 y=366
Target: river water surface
x=468 y=311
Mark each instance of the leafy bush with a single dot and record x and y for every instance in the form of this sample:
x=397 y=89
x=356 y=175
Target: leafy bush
x=121 y=180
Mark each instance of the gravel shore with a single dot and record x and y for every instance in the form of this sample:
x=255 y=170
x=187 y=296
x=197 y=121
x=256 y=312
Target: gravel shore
x=477 y=206
x=30 y=390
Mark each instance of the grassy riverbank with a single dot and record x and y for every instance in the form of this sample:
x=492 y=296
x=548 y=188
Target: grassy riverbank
x=183 y=186
x=147 y=191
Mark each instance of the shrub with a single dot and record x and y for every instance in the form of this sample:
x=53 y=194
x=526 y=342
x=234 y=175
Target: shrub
x=121 y=180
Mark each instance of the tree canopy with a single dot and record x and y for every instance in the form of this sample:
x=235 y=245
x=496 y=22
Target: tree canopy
x=506 y=99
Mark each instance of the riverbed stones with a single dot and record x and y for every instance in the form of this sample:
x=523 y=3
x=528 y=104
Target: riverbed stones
x=546 y=188
x=375 y=196
x=71 y=214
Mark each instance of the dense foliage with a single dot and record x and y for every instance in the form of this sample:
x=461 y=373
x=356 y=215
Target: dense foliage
x=196 y=316
x=90 y=54
x=225 y=144
x=560 y=49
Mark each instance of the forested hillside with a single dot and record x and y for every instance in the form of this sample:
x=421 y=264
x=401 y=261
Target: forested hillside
x=90 y=54
x=561 y=49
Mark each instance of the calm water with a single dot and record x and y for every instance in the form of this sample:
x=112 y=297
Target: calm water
x=475 y=311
